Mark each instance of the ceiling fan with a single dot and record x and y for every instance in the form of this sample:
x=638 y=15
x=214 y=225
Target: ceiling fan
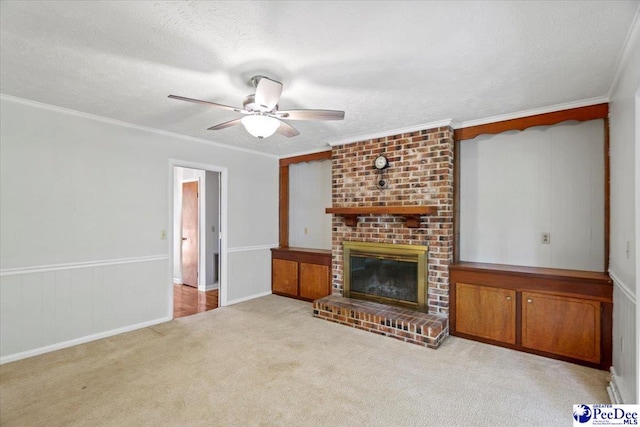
x=261 y=115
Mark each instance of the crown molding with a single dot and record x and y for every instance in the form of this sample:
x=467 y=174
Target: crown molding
x=533 y=112
x=381 y=134
x=128 y=125
x=304 y=153
x=625 y=53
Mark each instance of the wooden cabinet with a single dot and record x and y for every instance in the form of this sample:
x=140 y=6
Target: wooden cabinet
x=284 y=276
x=486 y=312
x=561 y=325
x=315 y=280
x=562 y=314
x=301 y=273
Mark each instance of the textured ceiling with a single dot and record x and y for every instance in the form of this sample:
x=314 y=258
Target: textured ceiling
x=388 y=65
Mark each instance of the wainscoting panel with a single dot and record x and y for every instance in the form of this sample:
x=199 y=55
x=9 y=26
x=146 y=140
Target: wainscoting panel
x=46 y=308
x=249 y=270
x=625 y=357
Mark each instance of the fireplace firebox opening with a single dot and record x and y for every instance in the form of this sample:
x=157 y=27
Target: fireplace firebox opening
x=392 y=274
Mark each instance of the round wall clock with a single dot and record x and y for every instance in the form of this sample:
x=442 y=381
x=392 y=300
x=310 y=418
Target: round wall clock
x=380 y=162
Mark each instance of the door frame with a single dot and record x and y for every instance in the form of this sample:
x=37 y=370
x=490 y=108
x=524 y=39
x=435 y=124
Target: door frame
x=222 y=273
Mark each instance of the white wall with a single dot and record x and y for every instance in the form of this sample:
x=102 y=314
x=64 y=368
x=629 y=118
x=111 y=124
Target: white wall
x=517 y=185
x=624 y=264
x=309 y=196
x=82 y=203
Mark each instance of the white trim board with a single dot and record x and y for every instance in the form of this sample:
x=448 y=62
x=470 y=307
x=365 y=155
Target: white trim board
x=304 y=153
x=458 y=125
x=341 y=141
x=625 y=53
x=250 y=297
x=623 y=287
x=383 y=133
x=127 y=124
x=251 y=248
x=65 y=344
x=75 y=265
x=612 y=388
x=533 y=112
x=212 y=287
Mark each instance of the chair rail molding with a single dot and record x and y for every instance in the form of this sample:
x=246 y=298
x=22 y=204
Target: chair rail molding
x=631 y=295
x=75 y=265
x=252 y=248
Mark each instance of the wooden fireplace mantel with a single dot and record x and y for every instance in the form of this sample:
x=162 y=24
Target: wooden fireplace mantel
x=411 y=214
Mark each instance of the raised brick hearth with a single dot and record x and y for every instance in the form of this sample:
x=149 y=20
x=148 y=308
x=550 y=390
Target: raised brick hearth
x=404 y=324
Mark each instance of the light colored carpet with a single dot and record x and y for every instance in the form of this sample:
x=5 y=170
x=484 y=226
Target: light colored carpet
x=269 y=362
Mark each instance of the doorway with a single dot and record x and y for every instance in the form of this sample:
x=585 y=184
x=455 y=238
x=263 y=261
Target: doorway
x=189 y=232
x=197 y=239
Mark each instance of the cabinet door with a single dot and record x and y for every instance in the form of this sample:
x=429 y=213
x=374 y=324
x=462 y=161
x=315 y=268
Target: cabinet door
x=314 y=281
x=486 y=312
x=285 y=276
x=561 y=325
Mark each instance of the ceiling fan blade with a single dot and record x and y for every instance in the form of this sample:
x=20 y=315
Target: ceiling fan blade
x=311 y=114
x=268 y=93
x=226 y=124
x=211 y=104
x=287 y=130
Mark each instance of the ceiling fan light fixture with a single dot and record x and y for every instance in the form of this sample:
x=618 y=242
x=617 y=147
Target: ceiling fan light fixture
x=261 y=116
x=260 y=126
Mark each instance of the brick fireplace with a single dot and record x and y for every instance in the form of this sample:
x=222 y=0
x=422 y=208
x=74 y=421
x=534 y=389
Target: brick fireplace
x=420 y=174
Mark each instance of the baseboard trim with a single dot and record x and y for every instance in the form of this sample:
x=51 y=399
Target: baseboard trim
x=239 y=300
x=613 y=390
x=82 y=340
x=211 y=287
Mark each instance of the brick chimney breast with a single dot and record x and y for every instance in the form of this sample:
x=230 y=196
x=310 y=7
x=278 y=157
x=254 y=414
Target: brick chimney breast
x=420 y=173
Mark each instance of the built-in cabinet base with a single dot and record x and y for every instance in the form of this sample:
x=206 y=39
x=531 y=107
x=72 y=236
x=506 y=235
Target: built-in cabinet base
x=301 y=273
x=563 y=314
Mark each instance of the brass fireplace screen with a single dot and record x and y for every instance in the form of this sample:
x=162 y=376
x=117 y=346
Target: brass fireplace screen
x=386 y=273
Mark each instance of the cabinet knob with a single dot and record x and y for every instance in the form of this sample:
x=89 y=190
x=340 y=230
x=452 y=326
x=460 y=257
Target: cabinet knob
x=508 y=298
x=529 y=300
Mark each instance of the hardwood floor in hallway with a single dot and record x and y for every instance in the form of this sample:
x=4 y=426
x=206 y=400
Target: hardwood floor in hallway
x=188 y=300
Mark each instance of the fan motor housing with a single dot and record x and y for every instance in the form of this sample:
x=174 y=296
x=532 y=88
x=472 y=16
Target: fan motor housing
x=250 y=104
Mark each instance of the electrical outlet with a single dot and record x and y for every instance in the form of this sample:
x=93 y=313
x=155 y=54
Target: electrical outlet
x=163 y=234
x=546 y=238
x=306 y=231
